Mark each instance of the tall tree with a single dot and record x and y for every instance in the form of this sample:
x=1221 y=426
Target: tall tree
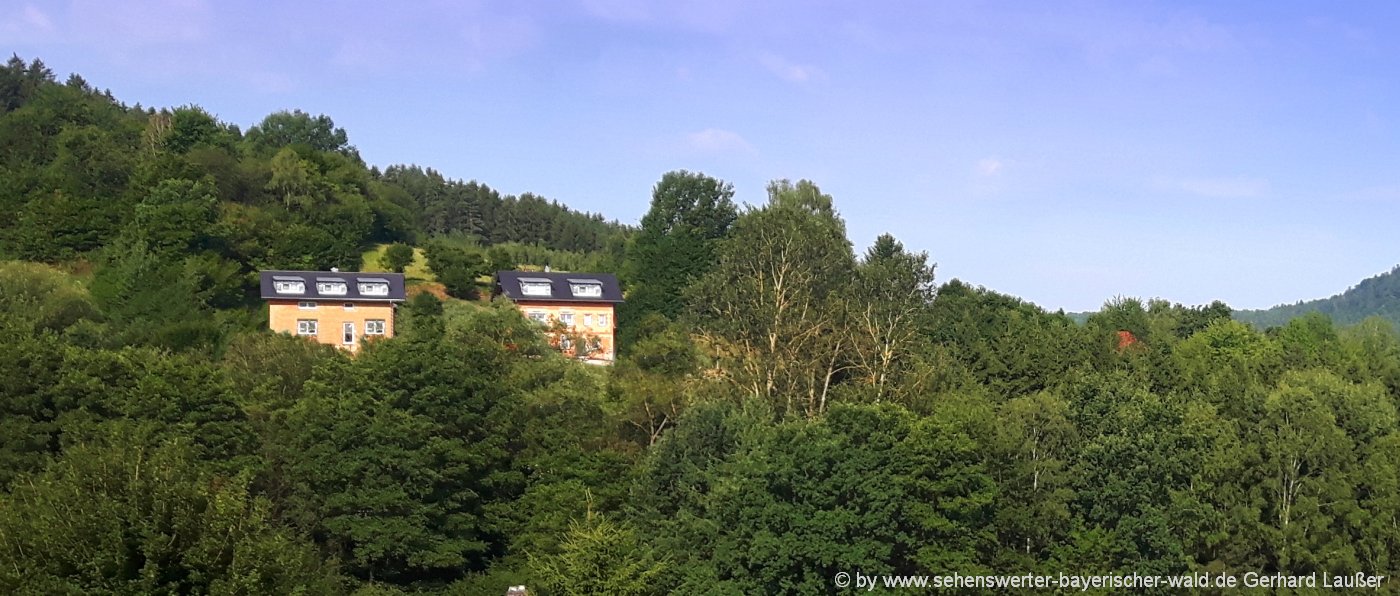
x=890 y=302
x=689 y=214
x=282 y=129
x=148 y=520
x=768 y=308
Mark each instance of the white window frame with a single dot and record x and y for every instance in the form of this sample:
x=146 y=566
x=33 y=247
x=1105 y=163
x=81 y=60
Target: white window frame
x=347 y=331
x=375 y=327
x=373 y=288
x=283 y=286
x=538 y=316
x=308 y=327
x=306 y=305
x=586 y=290
x=536 y=288
x=349 y=306
x=332 y=288
x=587 y=319
x=602 y=320
x=567 y=319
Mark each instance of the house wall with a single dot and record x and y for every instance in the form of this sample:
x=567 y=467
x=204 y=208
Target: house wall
x=330 y=317
x=581 y=311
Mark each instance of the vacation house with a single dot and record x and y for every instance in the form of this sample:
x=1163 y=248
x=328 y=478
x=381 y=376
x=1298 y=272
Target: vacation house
x=331 y=307
x=581 y=303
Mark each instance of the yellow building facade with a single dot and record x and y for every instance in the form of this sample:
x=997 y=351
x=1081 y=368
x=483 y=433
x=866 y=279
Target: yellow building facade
x=333 y=308
x=580 y=305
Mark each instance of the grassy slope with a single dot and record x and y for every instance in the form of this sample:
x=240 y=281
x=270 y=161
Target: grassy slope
x=417 y=276
x=417 y=270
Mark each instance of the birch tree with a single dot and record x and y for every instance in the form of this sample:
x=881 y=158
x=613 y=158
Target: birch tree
x=769 y=310
x=892 y=294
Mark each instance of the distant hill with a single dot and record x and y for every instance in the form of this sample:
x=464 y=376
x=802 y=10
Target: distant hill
x=1375 y=296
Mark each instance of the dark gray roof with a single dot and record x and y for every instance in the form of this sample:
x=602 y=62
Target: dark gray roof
x=352 y=288
x=508 y=284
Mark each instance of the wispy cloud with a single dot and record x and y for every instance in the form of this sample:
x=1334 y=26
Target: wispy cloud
x=713 y=16
x=365 y=53
x=490 y=37
x=1225 y=188
x=630 y=11
x=717 y=140
x=27 y=24
x=988 y=167
x=1373 y=194
x=37 y=19
x=143 y=22
x=790 y=71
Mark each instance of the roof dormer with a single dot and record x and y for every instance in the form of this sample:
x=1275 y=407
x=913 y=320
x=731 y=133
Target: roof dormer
x=373 y=286
x=332 y=286
x=586 y=288
x=286 y=284
x=536 y=286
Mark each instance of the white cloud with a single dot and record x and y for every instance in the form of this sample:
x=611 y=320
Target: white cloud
x=28 y=24
x=143 y=22
x=716 y=140
x=1373 y=194
x=36 y=18
x=365 y=53
x=712 y=17
x=490 y=37
x=1225 y=188
x=618 y=10
x=789 y=71
x=989 y=166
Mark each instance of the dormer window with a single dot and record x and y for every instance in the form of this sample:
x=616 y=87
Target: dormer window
x=373 y=286
x=288 y=285
x=331 y=286
x=586 y=288
x=536 y=286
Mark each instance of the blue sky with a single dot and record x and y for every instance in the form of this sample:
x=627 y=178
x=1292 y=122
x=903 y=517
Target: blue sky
x=1064 y=152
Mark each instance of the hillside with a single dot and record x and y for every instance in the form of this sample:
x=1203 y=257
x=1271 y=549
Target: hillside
x=1374 y=296
x=174 y=211
x=785 y=412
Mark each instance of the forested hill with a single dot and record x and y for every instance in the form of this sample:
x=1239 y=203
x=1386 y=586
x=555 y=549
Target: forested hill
x=1374 y=296
x=79 y=170
x=786 y=409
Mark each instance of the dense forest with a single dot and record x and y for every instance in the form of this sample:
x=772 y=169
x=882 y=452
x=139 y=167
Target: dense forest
x=786 y=407
x=1377 y=296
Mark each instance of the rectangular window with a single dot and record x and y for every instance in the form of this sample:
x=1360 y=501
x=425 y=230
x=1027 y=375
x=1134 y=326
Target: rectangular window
x=538 y=317
x=349 y=306
x=588 y=320
x=348 y=330
x=306 y=327
x=306 y=305
x=374 y=327
x=331 y=286
x=567 y=318
x=374 y=287
x=602 y=320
